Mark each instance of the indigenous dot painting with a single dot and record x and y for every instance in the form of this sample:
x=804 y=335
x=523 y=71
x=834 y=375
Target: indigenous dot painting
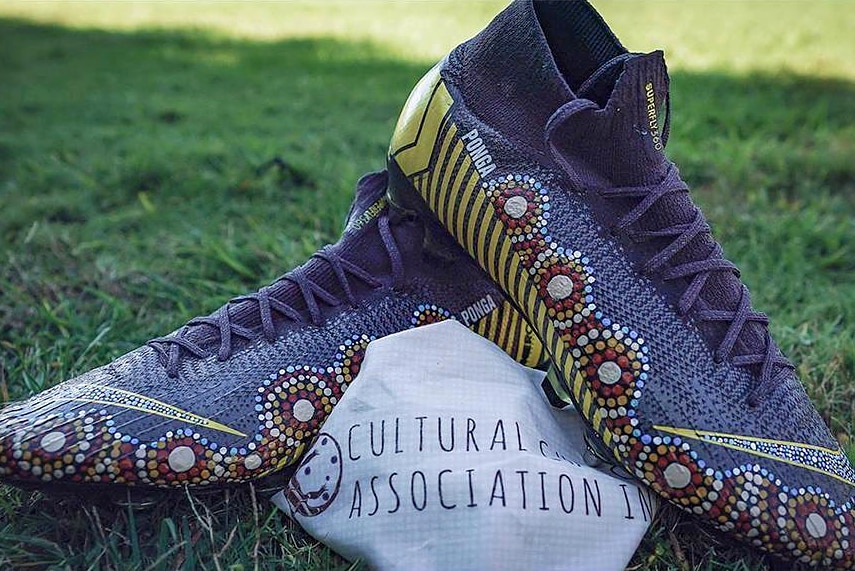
x=89 y=445
x=427 y=314
x=611 y=357
x=613 y=367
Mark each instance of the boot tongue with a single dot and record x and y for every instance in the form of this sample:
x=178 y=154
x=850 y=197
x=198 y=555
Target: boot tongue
x=621 y=135
x=369 y=202
x=615 y=135
x=641 y=93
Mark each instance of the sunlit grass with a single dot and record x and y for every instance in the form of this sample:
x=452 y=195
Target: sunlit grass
x=809 y=37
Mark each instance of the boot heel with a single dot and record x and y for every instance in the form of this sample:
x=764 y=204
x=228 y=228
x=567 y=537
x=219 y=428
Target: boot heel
x=403 y=196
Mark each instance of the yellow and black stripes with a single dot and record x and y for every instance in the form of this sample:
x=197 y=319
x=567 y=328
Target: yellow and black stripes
x=507 y=329
x=427 y=148
x=432 y=153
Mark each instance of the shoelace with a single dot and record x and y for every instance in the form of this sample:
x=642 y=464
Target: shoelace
x=772 y=364
x=171 y=348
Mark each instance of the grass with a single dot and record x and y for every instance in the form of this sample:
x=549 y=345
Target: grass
x=137 y=190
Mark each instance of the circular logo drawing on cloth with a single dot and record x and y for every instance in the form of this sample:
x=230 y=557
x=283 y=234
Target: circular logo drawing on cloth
x=315 y=484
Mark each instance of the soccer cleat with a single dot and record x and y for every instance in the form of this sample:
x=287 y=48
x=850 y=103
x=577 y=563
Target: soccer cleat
x=237 y=395
x=539 y=145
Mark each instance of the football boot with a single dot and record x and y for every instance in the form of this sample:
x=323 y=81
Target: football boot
x=540 y=146
x=237 y=395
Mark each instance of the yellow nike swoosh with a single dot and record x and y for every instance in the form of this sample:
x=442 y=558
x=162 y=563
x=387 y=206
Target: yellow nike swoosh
x=100 y=394
x=819 y=459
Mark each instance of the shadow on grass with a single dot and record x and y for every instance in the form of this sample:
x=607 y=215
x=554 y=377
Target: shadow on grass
x=90 y=119
x=98 y=123
x=139 y=186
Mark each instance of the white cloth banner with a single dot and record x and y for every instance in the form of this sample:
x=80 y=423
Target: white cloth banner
x=445 y=454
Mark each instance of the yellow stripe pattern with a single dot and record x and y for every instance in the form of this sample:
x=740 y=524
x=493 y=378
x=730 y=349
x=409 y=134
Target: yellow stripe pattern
x=428 y=149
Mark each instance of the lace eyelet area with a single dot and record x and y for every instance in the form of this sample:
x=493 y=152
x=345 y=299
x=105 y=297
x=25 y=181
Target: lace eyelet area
x=642 y=222
x=279 y=299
